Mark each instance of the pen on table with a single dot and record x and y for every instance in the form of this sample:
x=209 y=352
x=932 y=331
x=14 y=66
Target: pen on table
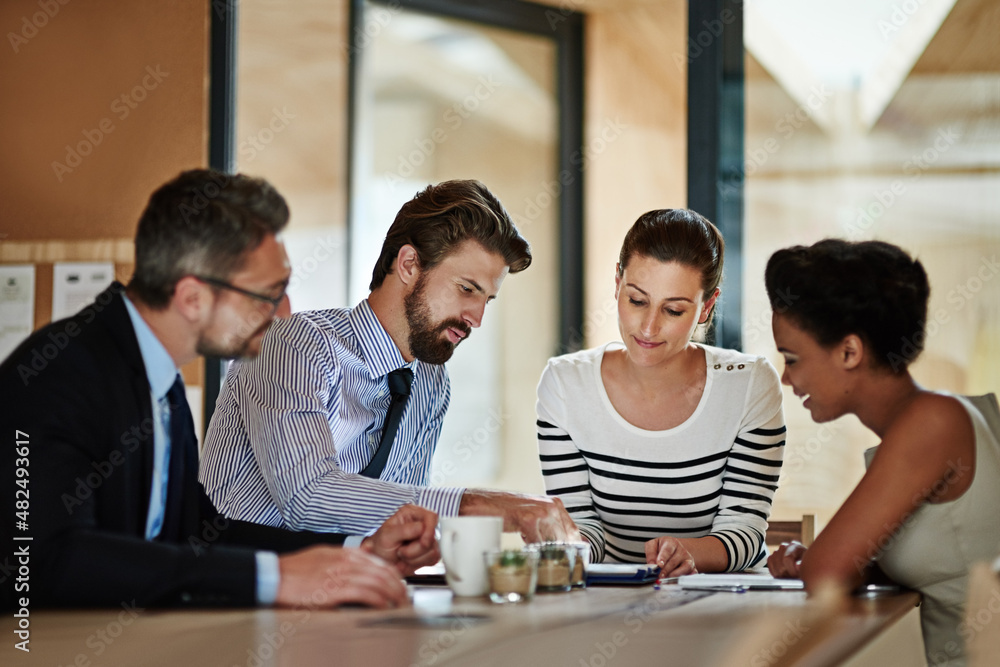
x=718 y=589
x=665 y=580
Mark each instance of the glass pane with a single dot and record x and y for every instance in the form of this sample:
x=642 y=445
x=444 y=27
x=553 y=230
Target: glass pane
x=438 y=99
x=290 y=128
x=875 y=119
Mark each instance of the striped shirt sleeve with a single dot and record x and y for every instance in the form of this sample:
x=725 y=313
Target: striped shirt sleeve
x=751 y=475
x=564 y=468
x=286 y=398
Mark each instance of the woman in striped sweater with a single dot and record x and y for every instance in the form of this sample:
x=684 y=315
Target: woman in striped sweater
x=664 y=450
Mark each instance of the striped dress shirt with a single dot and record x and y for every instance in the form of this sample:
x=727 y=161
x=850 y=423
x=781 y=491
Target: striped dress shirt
x=715 y=474
x=293 y=427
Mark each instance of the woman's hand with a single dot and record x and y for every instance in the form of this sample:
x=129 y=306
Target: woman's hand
x=784 y=562
x=672 y=557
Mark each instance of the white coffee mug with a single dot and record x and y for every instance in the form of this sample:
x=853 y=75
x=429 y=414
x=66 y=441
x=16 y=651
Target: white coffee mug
x=463 y=541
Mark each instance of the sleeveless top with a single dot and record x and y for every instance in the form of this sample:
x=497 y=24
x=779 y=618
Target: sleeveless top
x=937 y=543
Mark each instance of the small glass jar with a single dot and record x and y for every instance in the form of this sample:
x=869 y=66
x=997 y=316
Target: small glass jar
x=556 y=561
x=578 y=579
x=512 y=574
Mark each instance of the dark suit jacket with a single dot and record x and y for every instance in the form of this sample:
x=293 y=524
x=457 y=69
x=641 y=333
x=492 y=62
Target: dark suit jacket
x=76 y=436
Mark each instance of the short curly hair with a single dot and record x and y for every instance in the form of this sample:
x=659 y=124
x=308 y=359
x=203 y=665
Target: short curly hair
x=873 y=289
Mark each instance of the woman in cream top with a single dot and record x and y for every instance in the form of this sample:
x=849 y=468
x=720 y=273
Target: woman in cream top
x=849 y=319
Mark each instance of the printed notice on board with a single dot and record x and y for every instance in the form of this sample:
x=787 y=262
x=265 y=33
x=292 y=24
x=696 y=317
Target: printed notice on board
x=17 y=305
x=75 y=285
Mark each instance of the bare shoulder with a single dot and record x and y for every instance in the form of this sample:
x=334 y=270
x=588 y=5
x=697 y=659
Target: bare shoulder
x=934 y=415
x=931 y=434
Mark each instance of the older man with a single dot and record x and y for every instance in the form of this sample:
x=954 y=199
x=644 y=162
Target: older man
x=101 y=442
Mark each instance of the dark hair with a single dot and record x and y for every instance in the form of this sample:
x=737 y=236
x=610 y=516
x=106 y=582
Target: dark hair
x=869 y=288
x=441 y=217
x=204 y=222
x=677 y=235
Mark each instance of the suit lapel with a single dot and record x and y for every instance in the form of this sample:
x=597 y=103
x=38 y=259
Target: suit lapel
x=115 y=319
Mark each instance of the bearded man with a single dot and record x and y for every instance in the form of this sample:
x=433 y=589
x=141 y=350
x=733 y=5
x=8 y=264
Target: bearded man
x=116 y=511
x=297 y=439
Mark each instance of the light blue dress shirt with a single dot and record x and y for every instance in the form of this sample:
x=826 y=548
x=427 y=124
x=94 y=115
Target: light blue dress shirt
x=161 y=374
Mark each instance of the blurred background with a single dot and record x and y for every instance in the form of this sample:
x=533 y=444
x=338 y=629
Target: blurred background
x=863 y=119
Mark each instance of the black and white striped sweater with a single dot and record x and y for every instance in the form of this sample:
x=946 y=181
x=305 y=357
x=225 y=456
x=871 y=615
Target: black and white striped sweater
x=715 y=474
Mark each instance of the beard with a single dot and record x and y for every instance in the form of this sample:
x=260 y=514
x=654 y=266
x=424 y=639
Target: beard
x=244 y=344
x=428 y=341
x=242 y=350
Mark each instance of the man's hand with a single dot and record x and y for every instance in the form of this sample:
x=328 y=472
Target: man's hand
x=406 y=539
x=784 y=562
x=325 y=576
x=671 y=556
x=537 y=518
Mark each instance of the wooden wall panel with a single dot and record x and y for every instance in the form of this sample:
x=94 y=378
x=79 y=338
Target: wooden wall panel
x=635 y=137
x=103 y=101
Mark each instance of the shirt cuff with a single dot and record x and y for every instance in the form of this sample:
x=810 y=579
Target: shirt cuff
x=443 y=501
x=268 y=577
x=353 y=540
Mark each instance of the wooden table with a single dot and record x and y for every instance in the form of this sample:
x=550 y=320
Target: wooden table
x=597 y=627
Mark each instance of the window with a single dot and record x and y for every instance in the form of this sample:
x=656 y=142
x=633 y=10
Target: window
x=875 y=120
x=442 y=91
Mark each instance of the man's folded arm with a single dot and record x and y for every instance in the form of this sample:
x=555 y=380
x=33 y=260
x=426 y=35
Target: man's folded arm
x=234 y=532
x=81 y=568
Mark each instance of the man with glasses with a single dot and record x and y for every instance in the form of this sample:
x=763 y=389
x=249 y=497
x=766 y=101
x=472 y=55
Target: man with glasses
x=100 y=440
x=256 y=322
x=273 y=301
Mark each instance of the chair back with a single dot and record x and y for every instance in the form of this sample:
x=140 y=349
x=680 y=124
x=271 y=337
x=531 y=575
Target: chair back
x=785 y=531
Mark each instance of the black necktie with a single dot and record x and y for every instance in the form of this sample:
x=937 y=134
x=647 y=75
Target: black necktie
x=399 y=389
x=183 y=459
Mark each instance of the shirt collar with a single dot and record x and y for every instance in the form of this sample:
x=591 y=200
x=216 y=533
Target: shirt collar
x=160 y=369
x=379 y=351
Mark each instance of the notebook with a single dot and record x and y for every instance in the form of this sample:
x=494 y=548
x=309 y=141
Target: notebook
x=738 y=583
x=618 y=574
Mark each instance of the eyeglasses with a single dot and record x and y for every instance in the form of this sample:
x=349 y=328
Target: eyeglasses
x=274 y=301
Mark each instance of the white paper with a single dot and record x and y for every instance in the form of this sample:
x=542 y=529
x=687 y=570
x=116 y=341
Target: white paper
x=744 y=581
x=76 y=284
x=17 y=305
